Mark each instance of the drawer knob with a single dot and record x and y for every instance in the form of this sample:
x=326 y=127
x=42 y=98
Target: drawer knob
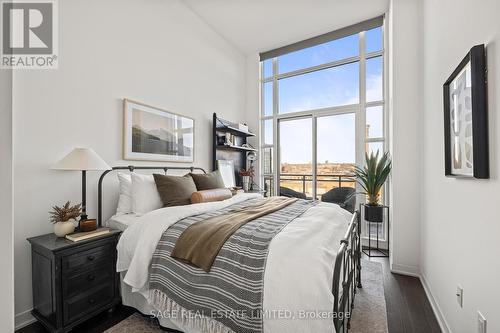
x=90 y=257
x=90 y=277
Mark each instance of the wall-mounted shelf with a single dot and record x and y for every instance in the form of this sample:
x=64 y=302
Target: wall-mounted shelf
x=233 y=151
x=234 y=130
x=229 y=147
x=222 y=125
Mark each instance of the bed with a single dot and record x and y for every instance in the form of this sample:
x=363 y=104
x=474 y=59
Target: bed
x=311 y=269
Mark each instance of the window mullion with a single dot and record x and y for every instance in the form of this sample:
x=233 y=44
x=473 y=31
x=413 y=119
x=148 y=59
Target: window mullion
x=315 y=155
x=316 y=68
x=361 y=114
x=275 y=126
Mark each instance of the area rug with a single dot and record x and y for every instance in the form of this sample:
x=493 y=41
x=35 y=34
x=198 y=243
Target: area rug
x=369 y=314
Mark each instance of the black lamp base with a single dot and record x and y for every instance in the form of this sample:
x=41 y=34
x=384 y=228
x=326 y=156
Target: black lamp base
x=84 y=216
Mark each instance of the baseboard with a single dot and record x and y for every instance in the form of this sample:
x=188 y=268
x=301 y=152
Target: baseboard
x=23 y=319
x=415 y=272
x=405 y=270
x=435 y=306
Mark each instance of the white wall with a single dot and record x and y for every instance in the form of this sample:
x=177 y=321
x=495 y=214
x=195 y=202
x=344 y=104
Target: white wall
x=460 y=221
x=253 y=104
x=154 y=51
x=405 y=105
x=6 y=204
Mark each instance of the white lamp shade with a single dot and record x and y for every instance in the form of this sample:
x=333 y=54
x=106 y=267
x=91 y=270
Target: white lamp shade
x=82 y=159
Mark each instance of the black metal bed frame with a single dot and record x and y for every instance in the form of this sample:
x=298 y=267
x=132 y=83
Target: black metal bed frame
x=347 y=275
x=347 y=266
x=131 y=168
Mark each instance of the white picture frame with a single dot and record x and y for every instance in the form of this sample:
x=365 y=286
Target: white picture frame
x=226 y=169
x=153 y=134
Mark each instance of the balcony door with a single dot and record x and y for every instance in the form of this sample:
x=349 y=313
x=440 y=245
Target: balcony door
x=316 y=154
x=336 y=152
x=296 y=157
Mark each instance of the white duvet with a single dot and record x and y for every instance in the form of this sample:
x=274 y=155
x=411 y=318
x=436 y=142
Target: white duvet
x=299 y=268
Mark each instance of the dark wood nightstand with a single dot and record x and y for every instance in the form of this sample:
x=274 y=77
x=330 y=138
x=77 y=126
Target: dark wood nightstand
x=73 y=281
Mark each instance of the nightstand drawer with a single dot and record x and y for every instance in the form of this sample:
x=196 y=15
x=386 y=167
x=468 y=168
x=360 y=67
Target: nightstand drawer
x=88 y=279
x=88 y=259
x=80 y=305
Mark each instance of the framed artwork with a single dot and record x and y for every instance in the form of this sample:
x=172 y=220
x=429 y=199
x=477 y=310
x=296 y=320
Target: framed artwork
x=153 y=134
x=226 y=168
x=466 y=118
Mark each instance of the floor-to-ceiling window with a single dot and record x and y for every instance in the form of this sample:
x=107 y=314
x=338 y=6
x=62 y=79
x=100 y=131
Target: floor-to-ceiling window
x=322 y=108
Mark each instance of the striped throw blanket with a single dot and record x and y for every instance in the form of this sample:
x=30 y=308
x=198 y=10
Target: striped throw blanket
x=229 y=298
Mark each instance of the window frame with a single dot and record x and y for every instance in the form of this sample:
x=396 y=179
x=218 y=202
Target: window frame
x=359 y=109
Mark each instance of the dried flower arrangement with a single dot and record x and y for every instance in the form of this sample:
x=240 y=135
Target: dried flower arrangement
x=65 y=213
x=247 y=172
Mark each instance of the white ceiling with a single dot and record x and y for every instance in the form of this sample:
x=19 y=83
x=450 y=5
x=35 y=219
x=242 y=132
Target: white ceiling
x=262 y=25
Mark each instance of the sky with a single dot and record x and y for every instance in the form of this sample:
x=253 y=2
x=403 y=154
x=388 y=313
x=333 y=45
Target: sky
x=326 y=88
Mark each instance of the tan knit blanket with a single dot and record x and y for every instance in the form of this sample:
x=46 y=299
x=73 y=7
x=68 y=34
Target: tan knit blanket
x=200 y=243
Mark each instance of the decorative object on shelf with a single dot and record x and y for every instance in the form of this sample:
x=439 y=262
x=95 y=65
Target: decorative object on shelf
x=221 y=139
x=88 y=225
x=82 y=159
x=466 y=118
x=64 y=218
x=229 y=140
x=243 y=127
x=382 y=253
x=246 y=176
x=372 y=178
x=230 y=144
x=154 y=134
x=252 y=157
x=226 y=168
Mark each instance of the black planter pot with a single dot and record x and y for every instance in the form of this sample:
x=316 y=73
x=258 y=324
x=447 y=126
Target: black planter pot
x=374 y=213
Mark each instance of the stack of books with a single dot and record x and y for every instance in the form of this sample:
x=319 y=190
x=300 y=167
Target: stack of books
x=79 y=236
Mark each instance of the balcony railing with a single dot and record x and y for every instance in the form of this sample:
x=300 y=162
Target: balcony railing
x=299 y=182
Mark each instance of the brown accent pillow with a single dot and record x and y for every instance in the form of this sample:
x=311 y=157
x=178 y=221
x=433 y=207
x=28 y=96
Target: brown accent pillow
x=175 y=190
x=217 y=194
x=208 y=181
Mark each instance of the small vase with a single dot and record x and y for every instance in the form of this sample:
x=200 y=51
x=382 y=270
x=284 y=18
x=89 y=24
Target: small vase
x=61 y=229
x=246 y=183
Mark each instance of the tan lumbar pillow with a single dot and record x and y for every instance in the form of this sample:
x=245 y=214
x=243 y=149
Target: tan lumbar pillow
x=217 y=194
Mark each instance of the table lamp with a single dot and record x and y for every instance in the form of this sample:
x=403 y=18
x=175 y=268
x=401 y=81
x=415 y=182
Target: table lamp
x=82 y=159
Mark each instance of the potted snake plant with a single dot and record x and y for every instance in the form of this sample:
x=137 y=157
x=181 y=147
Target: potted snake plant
x=371 y=178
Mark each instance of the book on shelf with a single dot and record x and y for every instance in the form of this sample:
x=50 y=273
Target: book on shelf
x=79 y=236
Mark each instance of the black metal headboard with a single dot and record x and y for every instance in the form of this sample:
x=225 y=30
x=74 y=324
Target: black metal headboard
x=131 y=168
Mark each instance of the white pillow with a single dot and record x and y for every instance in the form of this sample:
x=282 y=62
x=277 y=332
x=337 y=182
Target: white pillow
x=145 y=196
x=125 y=198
